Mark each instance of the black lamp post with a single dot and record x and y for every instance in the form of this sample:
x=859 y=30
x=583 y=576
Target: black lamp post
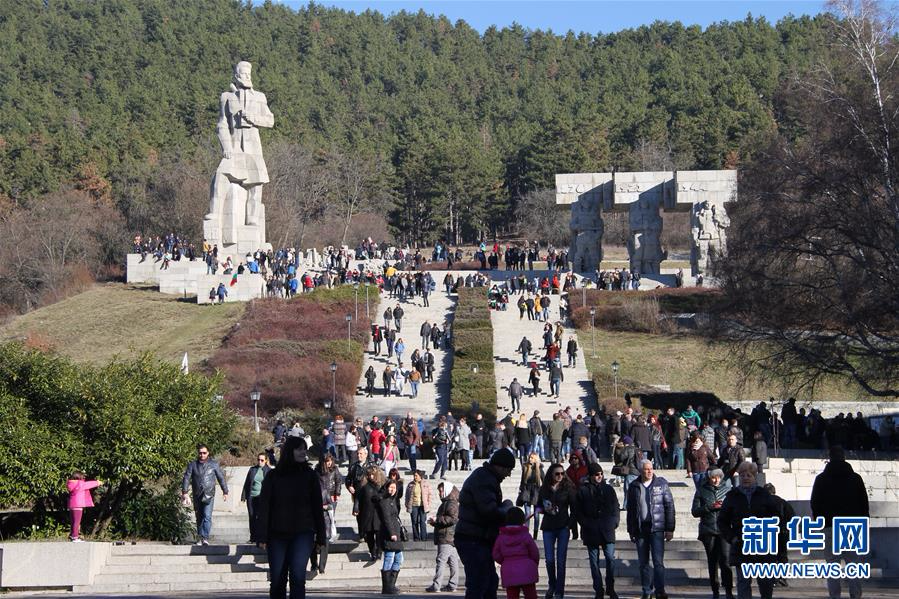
x=330 y=403
x=255 y=395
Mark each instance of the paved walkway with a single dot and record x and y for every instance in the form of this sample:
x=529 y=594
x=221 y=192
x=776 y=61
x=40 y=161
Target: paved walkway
x=508 y=329
x=797 y=590
x=433 y=398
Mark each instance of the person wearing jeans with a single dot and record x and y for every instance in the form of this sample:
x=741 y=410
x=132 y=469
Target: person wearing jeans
x=291 y=519
x=650 y=523
x=557 y=497
x=200 y=478
x=441 y=446
x=418 y=504
x=596 y=510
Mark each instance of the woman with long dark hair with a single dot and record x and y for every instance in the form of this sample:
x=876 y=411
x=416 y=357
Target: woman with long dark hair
x=290 y=519
x=557 y=496
x=390 y=537
x=529 y=489
x=331 y=482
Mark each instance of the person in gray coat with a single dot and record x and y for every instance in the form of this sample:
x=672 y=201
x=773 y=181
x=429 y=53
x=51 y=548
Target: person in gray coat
x=444 y=523
x=200 y=478
x=515 y=393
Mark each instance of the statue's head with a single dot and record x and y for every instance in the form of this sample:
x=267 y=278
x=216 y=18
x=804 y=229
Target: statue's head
x=243 y=75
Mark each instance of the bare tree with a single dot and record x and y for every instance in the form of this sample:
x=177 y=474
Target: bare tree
x=360 y=185
x=540 y=218
x=810 y=280
x=297 y=196
x=43 y=245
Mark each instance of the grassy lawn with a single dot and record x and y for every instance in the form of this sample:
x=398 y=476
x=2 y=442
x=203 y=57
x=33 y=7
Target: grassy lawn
x=117 y=319
x=684 y=362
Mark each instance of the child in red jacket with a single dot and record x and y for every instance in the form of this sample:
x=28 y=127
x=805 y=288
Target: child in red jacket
x=79 y=498
x=518 y=556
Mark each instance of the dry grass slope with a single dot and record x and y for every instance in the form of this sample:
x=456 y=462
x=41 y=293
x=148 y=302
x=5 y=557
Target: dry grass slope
x=116 y=319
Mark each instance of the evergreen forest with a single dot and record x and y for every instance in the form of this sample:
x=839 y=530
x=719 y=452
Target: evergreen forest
x=440 y=131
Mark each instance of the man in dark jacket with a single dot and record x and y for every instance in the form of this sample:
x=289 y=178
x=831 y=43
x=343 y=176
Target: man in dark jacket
x=200 y=477
x=425 y=333
x=597 y=511
x=524 y=348
x=731 y=457
x=444 y=523
x=355 y=476
x=398 y=313
x=748 y=500
x=650 y=523
x=481 y=512
x=839 y=492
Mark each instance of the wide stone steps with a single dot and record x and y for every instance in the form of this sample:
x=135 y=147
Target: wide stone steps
x=169 y=568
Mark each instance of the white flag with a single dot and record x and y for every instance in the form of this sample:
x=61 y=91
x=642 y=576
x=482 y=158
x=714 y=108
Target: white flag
x=184 y=364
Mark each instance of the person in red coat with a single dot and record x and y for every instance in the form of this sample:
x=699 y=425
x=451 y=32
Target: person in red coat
x=79 y=498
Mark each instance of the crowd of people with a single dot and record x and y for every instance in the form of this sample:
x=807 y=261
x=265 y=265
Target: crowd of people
x=291 y=507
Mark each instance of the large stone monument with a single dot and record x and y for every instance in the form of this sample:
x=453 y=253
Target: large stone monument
x=236 y=218
x=586 y=199
x=645 y=195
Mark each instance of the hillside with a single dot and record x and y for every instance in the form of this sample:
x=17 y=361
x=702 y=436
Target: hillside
x=116 y=319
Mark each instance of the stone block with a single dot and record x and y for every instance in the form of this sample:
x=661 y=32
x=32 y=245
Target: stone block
x=141 y=272
x=694 y=187
x=248 y=286
x=61 y=565
x=651 y=187
x=571 y=187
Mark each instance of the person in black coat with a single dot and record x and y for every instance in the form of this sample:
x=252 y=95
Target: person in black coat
x=839 y=492
x=746 y=501
x=290 y=519
x=707 y=507
x=596 y=510
x=252 y=489
x=390 y=537
x=366 y=509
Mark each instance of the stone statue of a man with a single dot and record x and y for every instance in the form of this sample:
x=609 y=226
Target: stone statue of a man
x=645 y=243
x=242 y=111
x=585 y=251
x=710 y=222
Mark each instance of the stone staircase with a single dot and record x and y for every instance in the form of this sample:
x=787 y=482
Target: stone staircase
x=231 y=564
x=433 y=398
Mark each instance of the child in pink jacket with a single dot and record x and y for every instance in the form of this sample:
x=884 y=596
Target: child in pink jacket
x=79 y=498
x=517 y=554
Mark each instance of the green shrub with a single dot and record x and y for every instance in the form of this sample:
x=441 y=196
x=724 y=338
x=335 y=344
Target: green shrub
x=154 y=514
x=128 y=423
x=473 y=343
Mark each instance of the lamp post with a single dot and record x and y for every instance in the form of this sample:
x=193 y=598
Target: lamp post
x=593 y=329
x=473 y=367
x=219 y=398
x=333 y=400
x=367 y=315
x=349 y=324
x=254 y=397
x=356 y=293
x=615 y=367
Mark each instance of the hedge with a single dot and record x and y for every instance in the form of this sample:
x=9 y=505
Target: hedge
x=473 y=343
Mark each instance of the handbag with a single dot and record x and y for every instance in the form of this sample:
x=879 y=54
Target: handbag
x=404 y=534
x=618 y=470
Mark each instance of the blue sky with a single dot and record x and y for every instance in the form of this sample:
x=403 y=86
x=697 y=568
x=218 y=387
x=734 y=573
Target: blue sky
x=592 y=16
